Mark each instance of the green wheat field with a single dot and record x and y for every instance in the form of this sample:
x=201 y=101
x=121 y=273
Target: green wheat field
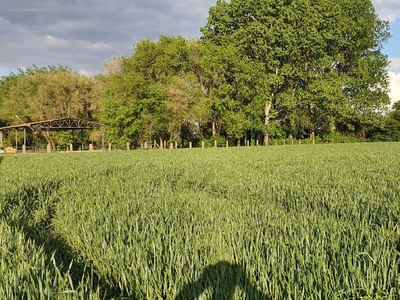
x=284 y=222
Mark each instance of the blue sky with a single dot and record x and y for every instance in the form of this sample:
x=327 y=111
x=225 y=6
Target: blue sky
x=84 y=35
x=392 y=48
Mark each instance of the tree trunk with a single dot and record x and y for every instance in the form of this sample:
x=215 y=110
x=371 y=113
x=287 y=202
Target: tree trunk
x=213 y=128
x=266 y=122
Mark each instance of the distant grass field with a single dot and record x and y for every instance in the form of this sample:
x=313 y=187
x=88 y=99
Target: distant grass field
x=285 y=222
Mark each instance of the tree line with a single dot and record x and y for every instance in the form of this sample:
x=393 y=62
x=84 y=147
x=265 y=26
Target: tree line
x=263 y=70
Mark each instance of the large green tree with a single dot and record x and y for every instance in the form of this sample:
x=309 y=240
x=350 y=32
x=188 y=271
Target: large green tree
x=36 y=94
x=389 y=129
x=318 y=60
x=43 y=93
x=154 y=96
x=173 y=89
x=7 y=84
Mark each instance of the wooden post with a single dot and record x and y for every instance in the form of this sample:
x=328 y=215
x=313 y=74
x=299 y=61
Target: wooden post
x=248 y=143
x=176 y=145
x=202 y=144
x=16 y=139
x=23 y=149
x=145 y=145
x=24 y=136
x=90 y=147
x=109 y=147
x=215 y=144
x=71 y=148
x=292 y=141
x=165 y=144
x=284 y=142
x=171 y=146
x=227 y=144
x=48 y=148
x=257 y=143
x=81 y=139
x=190 y=145
x=127 y=146
x=161 y=143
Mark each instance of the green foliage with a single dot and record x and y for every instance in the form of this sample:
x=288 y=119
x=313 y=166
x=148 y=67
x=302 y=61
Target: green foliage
x=389 y=130
x=35 y=263
x=46 y=93
x=262 y=69
x=340 y=138
x=65 y=138
x=169 y=89
x=396 y=106
x=307 y=59
x=305 y=222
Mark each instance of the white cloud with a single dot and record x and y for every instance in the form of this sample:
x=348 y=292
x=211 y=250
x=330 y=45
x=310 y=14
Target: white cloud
x=387 y=10
x=394 y=86
x=394 y=64
x=55 y=42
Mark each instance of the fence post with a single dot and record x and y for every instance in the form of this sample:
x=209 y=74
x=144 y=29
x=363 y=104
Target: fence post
x=109 y=147
x=202 y=144
x=48 y=148
x=71 y=148
x=215 y=144
x=257 y=143
x=227 y=144
x=190 y=145
x=90 y=147
x=127 y=146
x=23 y=149
x=176 y=145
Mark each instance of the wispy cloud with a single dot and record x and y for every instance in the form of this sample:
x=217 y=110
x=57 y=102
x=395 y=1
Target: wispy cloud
x=85 y=34
x=388 y=10
x=394 y=64
x=394 y=86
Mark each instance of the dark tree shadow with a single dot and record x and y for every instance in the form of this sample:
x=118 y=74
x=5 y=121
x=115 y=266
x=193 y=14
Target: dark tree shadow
x=222 y=279
x=27 y=202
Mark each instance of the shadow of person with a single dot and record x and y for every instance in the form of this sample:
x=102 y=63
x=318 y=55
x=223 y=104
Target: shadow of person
x=221 y=280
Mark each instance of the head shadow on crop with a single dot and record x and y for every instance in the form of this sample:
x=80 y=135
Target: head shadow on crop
x=222 y=279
